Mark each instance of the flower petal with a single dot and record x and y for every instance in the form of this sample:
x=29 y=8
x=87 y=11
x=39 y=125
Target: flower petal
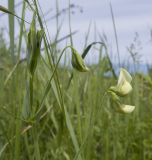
x=125 y=89
x=124 y=75
x=126 y=108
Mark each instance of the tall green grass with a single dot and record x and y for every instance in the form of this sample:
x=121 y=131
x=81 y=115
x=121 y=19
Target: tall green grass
x=71 y=117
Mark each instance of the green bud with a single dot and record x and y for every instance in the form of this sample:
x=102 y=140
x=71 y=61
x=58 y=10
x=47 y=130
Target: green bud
x=77 y=62
x=34 y=44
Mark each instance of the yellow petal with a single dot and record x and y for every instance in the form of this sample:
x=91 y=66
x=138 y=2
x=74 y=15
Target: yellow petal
x=126 y=108
x=125 y=88
x=122 y=90
x=124 y=76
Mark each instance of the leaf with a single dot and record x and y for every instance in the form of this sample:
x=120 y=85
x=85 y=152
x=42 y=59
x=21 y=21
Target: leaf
x=5 y=10
x=11 y=72
x=85 y=52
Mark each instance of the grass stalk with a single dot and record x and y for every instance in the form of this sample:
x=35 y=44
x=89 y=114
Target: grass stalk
x=11 y=28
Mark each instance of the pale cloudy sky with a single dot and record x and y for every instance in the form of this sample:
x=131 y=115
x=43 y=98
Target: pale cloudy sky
x=131 y=16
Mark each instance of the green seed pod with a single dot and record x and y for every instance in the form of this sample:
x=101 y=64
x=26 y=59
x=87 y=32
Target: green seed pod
x=77 y=62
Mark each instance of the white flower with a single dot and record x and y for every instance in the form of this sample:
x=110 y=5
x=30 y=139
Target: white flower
x=118 y=106
x=124 y=75
x=123 y=86
x=126 y=108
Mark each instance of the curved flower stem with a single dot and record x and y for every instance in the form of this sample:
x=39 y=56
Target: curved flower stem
x=85 y=52
x=106 y=49
x=49 y=82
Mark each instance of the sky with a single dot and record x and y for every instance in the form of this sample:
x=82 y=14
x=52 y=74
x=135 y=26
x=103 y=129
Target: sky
x=133 y=19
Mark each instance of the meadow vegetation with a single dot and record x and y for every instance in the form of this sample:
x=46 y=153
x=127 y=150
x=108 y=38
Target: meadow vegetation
x=53 y=110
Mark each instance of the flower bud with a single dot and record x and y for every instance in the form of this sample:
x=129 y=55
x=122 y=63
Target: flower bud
x=34 y=44
x=78 y=62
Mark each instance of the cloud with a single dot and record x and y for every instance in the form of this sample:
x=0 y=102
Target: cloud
x=130 y=16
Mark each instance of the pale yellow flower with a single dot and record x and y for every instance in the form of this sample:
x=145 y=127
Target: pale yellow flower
x=123 y=86
x=126 y=108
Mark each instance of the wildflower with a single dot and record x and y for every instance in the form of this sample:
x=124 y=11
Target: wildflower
x=122 y=88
